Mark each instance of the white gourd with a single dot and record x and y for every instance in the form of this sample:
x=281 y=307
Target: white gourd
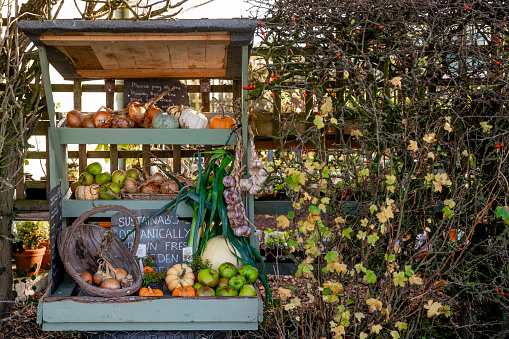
x=217 y=251
x=191 y=119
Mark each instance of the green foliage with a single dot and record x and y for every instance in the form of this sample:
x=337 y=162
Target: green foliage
x=32 y=233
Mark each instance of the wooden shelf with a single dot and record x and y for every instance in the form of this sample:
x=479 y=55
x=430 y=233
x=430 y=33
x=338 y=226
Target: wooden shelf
x=133 y=313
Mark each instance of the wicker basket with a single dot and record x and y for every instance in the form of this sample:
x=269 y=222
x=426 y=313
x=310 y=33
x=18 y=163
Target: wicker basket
x=78 y=245
x=141 y=196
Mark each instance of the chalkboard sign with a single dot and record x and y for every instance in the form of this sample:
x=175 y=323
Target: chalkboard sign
x=55 y=221
x=145 y=89
x=164 y=239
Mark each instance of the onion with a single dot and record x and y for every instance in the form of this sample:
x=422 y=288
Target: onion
x=130 y=185
x=169 y=186
x=136 y=111
x=148 y=189
x=110 y=284
x=121 y=121
x=156 y=179
x=102 y=119
x=98 y=277
x=229 y=181
x=245 y=184
x=151 y=112
x=74 y=119
x=88 y=122
x=181 y=179
x=87 y=277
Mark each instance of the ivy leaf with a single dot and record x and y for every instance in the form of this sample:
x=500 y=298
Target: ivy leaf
x=282 y=221
x=318 y=121
x=503 y=212
x=399 y=279
x=359 y=316
x=408 y=271
x=363 y=335
x=284 y=293
x=415 y=280
x=395 y=334
x=372 y=239
x=401 y=325
x=413 y=146
x=373 y=208
x=331 y=256
x=376 y=329
x=390 y=257
x=347 y=232
x=485 y=126
x=447 y=212
x=291 y=215
x=370 y=276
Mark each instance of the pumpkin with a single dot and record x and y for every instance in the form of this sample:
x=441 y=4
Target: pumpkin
x=165 y=120
x=218 y=250
x=191 y=119
x=147 y=269
x=179 y=274
x=184 y=291
x=222 y=122
x=87 y=192
x=149 y=292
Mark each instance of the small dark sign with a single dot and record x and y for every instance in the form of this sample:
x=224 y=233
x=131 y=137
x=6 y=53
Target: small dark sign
x=145 y=89
x=55 y=221
x=164 y=239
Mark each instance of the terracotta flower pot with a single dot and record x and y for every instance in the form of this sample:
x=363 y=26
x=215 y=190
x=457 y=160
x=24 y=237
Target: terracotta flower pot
x=25 y=261
x=46 y=259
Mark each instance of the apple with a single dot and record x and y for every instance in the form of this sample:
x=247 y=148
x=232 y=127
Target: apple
x=208 y=277
x=118 y=177
x=227 y=270
x=74 y=185
x=223 y=282
x=133 y=173
x=227 y=291
x=107 y=189
x=247 y=290
x=237 y=281
x=86 y=179
x=205 y=291
x=103 y=178
x=94 y=168
x=249 y=272
x=197 y=286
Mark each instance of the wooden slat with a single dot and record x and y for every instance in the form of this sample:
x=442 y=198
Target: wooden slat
x=143 y=58
x=215 y=56
x=83 y=57
x=151 y=73
x=196 y=56
x=177 y=158
x=160 y=55
x=179 y=57
x=124 y=56
x=106 y=55
x=68 y=40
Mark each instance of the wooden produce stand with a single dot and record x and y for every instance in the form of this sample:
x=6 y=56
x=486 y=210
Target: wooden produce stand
x=184 y=49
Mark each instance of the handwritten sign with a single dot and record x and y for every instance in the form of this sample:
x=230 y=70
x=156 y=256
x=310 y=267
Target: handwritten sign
x=145 y=89
x=163 y=238
x=55 y=221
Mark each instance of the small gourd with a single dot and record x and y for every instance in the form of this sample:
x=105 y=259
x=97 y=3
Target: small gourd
x=179 y=274
x=165 y=120
x=192 y=119
x=184 y=291
x=221 y=121
x=150 y=292
x=147 y=269
x=87 y=192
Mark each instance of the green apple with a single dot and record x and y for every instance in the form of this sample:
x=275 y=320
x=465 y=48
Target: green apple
x=227 y=270
x=118 y=177
x=103 y=178
x=94 y=168
x=133 y=173
x=249 y=272
x=208 y=277
x=86 y=179
x=197 y=286
x=74 y=185
x=247 y=290
x=237 y=281
x=107 y=189
x=227 y=291
x=223 y=282
x=205 y=291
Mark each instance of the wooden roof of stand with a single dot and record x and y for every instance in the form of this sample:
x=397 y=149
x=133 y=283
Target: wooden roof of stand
x=204 y=48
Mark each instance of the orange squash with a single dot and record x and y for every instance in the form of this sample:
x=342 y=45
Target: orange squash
x=147 y=269
x=149 y=292
x=87 y=192
x=222 y=122
x=184 y=291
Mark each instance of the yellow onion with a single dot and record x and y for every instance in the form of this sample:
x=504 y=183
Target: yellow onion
x=74 y=119
x=110 y=284
x=156 y=179
x=102 y=119
x=130 y=185
x=87 y=277
x=137 y=112
x=169 y=186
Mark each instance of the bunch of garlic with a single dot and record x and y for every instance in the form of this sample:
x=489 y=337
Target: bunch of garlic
x=236 y=212
x=258 y=174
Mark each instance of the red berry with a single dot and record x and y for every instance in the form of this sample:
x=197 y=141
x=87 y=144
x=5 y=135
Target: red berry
x=305 y=94
x=498 y=62
x=272 y=95
x=367 y=160
x=496 y=145
x=261 y=23
x=496 y=289
x=307 y=43
x=502 y=292
x=445 y=310
x=499 y=41
x=338 y=54
x=323 y=102
x=316 y=105
x=467 y=8
x=263 y=32
x=380 y=27
x=357 y=31
x=293 y=19
x=501 y=144
x=503 y=24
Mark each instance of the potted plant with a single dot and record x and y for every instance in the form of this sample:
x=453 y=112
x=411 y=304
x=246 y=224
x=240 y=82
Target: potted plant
x=154 y=280
x=29 y=259
x=197 y=264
